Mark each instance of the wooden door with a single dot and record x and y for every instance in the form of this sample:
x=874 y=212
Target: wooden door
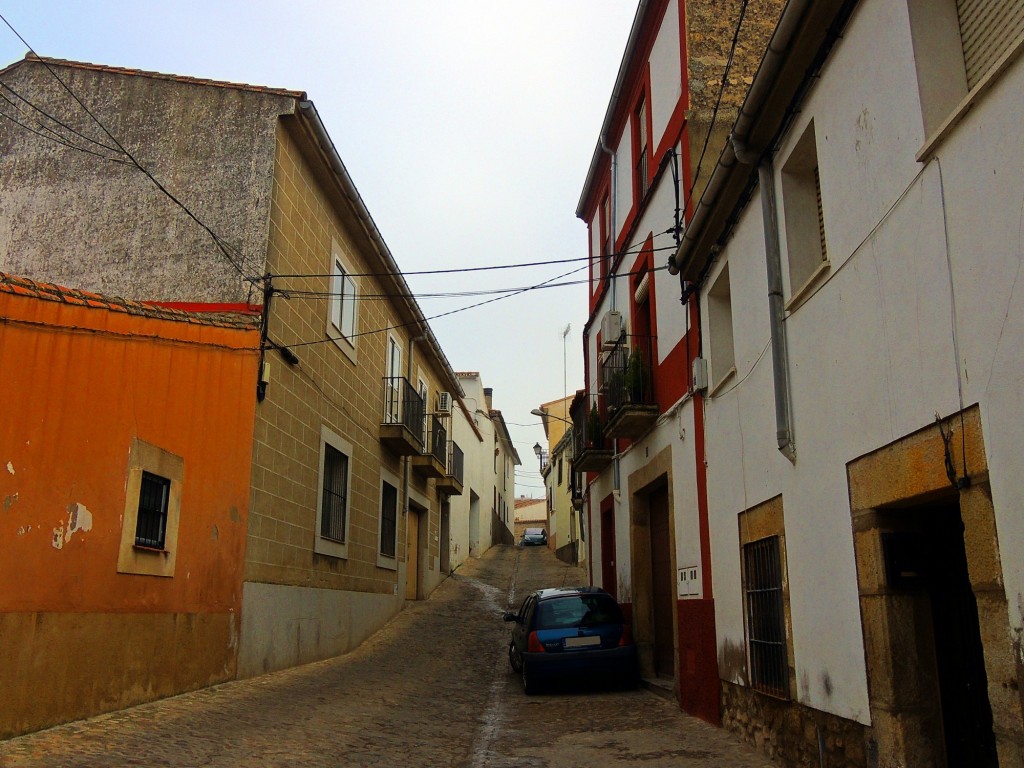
x=662 y=585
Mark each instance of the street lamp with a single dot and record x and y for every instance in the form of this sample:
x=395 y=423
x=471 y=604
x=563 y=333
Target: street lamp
x=537 y=450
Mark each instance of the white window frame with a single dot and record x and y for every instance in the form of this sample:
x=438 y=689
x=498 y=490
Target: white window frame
x=343 y=303
x=321 y=545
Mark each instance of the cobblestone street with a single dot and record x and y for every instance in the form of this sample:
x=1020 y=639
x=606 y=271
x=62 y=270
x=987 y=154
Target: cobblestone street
x=433 y=688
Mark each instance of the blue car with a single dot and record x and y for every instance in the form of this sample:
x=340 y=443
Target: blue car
x=571 y=632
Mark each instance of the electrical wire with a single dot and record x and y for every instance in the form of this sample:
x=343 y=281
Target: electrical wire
x=292 y=293
x=460 y=270
x=48 y=116
x=443 y=314
x=718 y=101
x=55 y=139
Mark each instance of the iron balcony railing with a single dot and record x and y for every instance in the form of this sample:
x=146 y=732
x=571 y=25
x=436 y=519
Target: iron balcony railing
x=456 y=463
x=587 y=426
x=403 y=405
x=626 y=374
x=437 y=439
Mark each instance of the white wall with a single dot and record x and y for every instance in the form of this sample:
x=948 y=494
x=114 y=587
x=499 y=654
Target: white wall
x=871 y=353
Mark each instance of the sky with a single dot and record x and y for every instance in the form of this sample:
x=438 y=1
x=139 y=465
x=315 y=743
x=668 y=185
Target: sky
x=468 y=127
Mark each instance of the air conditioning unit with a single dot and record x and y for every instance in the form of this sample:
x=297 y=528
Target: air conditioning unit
x=444 y=402
x=612 y=328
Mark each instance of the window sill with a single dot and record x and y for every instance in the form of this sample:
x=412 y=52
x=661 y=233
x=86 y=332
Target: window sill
x=729 y=376
x=330 y=548
x=387 y=562
x=342 y=342
x=933 y=142
x=151 y=550
x=810 y=284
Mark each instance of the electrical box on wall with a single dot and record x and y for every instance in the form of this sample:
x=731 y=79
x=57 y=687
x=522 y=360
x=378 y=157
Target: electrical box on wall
x=689 y=581
x=700 y=374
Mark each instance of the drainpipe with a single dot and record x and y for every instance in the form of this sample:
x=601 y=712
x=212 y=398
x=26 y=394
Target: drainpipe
x=776 y=305
x=407 y=461
x=611 y=212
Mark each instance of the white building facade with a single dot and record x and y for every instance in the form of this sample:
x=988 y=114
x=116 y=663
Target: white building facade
x=857 y=255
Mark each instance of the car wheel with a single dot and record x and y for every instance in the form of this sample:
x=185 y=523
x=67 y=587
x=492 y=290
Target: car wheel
x=515 y=658
x=529 y=681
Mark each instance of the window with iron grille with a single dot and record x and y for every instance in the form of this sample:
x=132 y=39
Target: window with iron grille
x=388 y=518
x=335 y=492
x=766 y=619
x=151 y=526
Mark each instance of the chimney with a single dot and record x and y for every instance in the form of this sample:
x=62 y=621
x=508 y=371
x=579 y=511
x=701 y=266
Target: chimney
x=488 y=395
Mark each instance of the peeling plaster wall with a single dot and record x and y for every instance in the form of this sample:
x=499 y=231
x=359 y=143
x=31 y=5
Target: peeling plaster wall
x=77 y=635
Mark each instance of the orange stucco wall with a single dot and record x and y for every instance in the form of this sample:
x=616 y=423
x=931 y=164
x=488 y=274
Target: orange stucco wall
x=77 y=385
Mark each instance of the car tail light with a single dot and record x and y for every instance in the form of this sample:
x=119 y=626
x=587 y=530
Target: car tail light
x=533 y=644
x=627 y=635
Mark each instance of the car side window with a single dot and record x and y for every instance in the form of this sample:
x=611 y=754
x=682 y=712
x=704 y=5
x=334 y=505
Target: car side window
x=526 y=614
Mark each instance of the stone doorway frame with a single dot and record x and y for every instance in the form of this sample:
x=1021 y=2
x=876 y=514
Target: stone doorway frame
x=907 y=473
x=656 y=472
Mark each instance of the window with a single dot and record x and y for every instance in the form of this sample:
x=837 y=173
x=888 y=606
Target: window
x=606 y=236
x=343 y=304
x=766 y=627
x=959 y=47
x=723 y=358
x=770 y=664
x=559 y=471
x=333 y=495
x=804 y=215
x=152 y=509
x=151 y=525
x=388 y=519
x=640 y=146
x=341 y=319
x=393 y=385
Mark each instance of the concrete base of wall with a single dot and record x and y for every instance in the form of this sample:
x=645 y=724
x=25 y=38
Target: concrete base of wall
x=58 y=667
x=285 y=626
x=792 y=733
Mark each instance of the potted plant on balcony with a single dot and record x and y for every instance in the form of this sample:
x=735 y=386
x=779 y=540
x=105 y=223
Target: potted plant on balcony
x=634 y=378
x=594 y=430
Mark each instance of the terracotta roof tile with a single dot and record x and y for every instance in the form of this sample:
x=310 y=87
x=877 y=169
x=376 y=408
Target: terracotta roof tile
x=162 y=76
x=23 y=286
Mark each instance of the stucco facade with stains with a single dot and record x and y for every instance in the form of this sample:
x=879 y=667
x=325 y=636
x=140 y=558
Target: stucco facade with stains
x=858 y=257
x=95 y=391
x=258 y=168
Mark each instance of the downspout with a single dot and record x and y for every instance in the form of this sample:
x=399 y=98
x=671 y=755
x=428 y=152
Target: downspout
x=776 y=303
x=407 y=461
x=612 y=228
x=776 y=310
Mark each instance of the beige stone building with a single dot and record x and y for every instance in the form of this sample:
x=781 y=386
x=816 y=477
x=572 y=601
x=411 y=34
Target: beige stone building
x=353 y=462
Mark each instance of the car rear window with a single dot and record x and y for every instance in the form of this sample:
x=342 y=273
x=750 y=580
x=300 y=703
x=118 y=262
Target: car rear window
x=578 y=611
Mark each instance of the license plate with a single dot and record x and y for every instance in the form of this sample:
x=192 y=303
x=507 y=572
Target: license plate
x=582 y=642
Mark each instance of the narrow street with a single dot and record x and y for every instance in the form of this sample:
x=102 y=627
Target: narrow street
x=433 y=688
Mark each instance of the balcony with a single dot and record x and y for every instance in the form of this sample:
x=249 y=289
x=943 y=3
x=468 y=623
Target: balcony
x=590 y=453
x=433 y=462
x=452 y=482
x=627 y=388
x=401 y=429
